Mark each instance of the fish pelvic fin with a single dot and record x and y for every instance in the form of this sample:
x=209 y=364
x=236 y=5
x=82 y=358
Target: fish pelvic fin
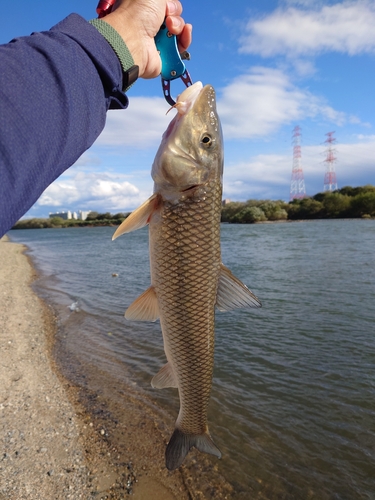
x=139 y=218
x=144 y=308
x=180 y=444
x=232 y=293
x=164 y=378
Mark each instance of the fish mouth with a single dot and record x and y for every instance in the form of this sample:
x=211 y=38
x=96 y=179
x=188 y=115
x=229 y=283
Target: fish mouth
x=191 y=97
x=191 y=188
x=186 y=100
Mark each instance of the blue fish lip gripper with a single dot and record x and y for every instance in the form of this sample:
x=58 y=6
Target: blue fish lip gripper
x=172 y=65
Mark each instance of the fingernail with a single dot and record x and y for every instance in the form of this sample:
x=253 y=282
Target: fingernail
x=176 y=21
x=172 y=7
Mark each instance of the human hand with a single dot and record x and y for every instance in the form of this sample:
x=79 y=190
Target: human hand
x=138 y=21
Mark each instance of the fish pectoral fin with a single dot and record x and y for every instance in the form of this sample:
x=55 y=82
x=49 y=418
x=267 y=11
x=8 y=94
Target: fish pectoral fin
x=144 y=308
x=164 y=378
x=180 y=444
x=232 y=293
x=139 y=218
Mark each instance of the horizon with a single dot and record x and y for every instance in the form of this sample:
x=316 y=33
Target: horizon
x=127 y=212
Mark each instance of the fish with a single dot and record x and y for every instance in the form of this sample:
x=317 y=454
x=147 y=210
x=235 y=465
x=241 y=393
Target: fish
x=188 y=279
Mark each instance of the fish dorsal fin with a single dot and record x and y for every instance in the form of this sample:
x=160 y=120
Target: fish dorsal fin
x=139 y=218
x=144 y=308
x=232 y=293
x=164 y=378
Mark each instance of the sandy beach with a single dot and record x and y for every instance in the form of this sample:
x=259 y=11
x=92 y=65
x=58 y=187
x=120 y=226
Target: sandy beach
x=51 y=448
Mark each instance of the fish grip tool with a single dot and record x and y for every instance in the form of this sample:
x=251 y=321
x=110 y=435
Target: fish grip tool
x=172 y=65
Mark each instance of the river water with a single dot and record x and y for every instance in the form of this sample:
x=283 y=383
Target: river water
x=293 y=397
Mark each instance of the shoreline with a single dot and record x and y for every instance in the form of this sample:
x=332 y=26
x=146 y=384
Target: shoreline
x=279 y=221
x=51 y=446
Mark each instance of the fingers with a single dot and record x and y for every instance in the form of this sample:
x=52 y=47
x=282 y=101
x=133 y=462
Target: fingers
x=176 y=24
x=173 y=19
x=174 y=8
x=182 y=31
x=184 y=39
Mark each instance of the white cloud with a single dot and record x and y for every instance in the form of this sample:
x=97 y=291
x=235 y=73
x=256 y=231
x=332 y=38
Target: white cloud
x=346 y=27
x=258 y=103
x=366 y=138
x=304 y=3
x=304 y=68
x=139 y=126
x=92 y=191
x=253 y=105
x=263 y=176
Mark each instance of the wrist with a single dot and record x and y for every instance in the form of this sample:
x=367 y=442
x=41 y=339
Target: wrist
x=129 y=35
x=139 y=40
x=129 y=68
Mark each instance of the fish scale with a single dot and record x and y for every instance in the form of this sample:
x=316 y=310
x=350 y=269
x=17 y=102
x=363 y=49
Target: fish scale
x=189 y=271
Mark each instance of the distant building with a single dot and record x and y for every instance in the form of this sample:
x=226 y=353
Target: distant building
x=63 y=215
x=83 y=215
x=70 y=215
x=225 y=202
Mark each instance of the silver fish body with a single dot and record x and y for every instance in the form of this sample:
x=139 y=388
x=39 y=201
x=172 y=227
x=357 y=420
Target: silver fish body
x=187 y=276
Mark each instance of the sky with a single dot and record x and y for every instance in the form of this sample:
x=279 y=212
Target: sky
x=273 y=64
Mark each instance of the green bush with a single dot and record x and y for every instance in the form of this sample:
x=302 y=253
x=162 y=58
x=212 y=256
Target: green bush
x=249 y=215
x=362 y=204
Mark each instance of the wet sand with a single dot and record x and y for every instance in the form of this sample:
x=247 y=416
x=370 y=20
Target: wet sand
x=51 y=448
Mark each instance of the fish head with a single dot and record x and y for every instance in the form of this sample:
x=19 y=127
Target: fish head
x=191 y=150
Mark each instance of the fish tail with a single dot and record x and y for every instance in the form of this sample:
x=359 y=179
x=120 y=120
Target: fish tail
x=180 y=444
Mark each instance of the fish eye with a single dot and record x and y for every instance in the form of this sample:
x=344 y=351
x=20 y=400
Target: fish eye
x=206 y=140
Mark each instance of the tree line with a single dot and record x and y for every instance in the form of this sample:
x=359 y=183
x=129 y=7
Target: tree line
x=93 y=219
x=348 y=202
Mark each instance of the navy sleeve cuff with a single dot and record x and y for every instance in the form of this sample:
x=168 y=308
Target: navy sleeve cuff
x=101 y=54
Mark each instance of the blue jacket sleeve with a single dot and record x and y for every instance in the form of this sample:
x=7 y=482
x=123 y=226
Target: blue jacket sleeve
x=55 y=90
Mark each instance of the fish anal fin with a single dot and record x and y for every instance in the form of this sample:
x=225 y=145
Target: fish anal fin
x=180 y=444
x=139 y=218
x=164 y=378
x=232 y=293
x=144 y=308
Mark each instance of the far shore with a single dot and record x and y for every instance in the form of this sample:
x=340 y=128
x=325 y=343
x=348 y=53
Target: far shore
x=103 y=224
x=346 y=203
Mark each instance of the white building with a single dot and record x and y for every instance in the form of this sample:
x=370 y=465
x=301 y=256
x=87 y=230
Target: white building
x=83 y=215
x=63 y=215
x=70 y=215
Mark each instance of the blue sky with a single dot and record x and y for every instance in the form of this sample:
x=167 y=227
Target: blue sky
x=274 y=65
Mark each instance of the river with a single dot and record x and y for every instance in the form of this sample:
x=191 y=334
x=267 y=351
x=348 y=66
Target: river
x=293 y=397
